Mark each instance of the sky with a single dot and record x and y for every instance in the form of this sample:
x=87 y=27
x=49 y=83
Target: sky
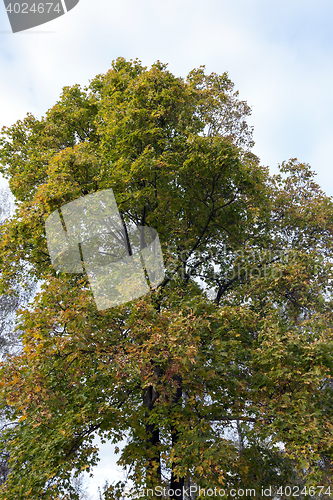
x=279 y=54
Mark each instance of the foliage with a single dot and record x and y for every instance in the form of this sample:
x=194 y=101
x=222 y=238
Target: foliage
x=18 y=295
x=238 y=335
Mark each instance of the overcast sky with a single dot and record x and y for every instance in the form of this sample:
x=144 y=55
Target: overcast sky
x=279 y=54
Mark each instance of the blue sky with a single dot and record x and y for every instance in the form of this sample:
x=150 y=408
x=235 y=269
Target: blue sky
x=279 y=54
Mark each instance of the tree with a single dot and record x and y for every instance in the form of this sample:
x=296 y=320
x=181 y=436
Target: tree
x=8 y=303
x=19 y=296
x=80 y=489
x=237 y=336
x=9 y=336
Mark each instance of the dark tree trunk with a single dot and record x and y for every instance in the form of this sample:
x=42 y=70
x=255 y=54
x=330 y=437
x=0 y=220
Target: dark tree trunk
x=153 y=436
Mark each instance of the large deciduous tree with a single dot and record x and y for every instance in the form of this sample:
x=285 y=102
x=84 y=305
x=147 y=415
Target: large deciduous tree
x=219 y=377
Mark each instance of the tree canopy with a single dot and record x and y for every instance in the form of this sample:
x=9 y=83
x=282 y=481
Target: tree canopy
x=219 y=377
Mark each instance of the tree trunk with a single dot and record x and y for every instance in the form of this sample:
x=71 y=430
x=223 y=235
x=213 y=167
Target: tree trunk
x=153 y=436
